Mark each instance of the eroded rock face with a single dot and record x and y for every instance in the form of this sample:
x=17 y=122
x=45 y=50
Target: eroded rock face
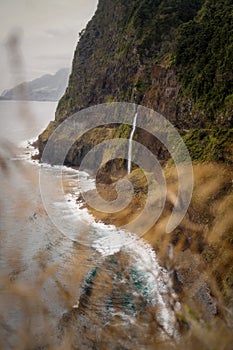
x=123 y=55
x=167 y=58
x=163 y=92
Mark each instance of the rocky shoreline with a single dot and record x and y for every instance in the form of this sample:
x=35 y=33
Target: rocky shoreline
x=201 y=276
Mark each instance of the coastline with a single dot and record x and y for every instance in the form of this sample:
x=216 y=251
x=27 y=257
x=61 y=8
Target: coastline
x=188 y=251
x=185 y=252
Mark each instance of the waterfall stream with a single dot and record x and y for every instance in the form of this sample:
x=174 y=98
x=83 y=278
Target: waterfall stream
x=130 y=143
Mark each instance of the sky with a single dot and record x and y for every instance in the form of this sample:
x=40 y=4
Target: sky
x=46 y=32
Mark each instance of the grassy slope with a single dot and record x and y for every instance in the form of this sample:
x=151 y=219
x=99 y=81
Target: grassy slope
x=202 y=249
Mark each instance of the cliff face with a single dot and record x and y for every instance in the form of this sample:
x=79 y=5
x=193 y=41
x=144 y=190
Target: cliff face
x=123 y=55
x=171 y=56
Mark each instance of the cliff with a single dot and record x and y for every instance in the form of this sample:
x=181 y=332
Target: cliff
x=171 y=56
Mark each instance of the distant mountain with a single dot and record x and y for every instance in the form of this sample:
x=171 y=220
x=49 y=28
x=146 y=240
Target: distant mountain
x=46 y=88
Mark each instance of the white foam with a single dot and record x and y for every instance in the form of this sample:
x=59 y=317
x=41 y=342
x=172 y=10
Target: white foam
x=108 y=240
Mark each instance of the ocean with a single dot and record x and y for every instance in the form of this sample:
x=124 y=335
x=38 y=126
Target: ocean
x=66 y=279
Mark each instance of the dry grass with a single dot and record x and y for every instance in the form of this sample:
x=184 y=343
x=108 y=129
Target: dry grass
x=202 y=254
x=37 y=297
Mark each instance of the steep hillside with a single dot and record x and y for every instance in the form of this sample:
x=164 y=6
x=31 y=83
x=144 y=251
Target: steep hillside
x=203 y=56
x=172 y=56
x=175 y=57
x=123 y=55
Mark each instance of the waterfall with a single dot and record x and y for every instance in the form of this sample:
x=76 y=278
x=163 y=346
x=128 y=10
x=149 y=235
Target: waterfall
x=130 y=142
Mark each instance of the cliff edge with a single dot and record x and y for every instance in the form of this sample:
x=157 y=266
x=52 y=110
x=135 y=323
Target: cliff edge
x=171 y=56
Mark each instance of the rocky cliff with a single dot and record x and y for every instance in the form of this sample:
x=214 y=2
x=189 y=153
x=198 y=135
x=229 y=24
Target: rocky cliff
x=172 y=56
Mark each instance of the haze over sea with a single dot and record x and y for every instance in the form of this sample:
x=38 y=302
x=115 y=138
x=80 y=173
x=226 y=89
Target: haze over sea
x=23 y=120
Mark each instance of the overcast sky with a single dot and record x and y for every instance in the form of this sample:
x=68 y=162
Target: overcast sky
x=48 y=32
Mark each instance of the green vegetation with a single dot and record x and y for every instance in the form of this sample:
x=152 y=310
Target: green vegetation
x=122 y=131
x=210 y=144
x=204 y=54
x=114 y=55
x=205 y=145
x=155 y=21
x=174 y=56
x=143 y=85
